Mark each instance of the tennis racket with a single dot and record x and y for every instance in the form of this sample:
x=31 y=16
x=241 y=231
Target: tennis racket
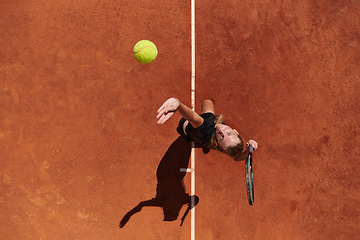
x=249 y=176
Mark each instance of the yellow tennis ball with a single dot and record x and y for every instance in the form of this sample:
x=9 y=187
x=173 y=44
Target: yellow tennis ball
x=145 y=51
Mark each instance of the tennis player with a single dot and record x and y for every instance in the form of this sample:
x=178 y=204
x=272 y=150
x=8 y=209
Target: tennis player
x=207 y=129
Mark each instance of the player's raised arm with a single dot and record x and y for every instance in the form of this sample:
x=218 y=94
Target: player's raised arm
x=171 y=105
x=167 y=110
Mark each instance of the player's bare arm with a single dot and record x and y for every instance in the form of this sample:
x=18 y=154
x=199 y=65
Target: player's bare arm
x=173 y=104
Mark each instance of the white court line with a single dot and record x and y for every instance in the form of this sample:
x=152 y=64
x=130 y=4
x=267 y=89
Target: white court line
x=193 y=108
x=192 y=164
x=185 y=170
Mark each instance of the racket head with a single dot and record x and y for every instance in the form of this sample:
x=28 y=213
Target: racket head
x=249 y=178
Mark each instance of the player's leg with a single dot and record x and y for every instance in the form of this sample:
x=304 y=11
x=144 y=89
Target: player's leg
x=208 y=106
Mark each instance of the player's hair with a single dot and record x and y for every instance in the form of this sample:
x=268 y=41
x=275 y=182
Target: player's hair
x=232 y=151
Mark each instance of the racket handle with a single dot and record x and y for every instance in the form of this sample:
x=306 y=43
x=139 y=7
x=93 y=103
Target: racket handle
x=251 y=149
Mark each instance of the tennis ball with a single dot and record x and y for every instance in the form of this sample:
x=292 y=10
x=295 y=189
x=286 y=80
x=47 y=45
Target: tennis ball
x=145 y=51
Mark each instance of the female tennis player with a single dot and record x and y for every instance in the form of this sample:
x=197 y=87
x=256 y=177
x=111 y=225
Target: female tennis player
x=206 y=129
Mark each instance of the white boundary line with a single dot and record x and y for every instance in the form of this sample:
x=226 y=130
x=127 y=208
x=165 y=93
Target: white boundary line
x=193 y=108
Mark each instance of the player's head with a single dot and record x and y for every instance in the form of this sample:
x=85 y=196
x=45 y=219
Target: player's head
x=226 y=136
x=226 y=139
x=234 y=150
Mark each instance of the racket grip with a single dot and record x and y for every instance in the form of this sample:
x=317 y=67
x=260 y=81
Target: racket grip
x=251 y=149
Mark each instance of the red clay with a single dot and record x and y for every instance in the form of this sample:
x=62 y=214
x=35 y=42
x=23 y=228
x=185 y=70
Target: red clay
x=79 y=143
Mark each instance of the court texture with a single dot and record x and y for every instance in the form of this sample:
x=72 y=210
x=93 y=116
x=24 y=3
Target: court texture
x=80 y=147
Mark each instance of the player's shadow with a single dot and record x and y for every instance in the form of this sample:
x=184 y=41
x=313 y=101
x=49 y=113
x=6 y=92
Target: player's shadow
x=170 y=191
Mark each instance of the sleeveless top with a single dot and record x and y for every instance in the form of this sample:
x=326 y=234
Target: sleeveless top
x=201 y=134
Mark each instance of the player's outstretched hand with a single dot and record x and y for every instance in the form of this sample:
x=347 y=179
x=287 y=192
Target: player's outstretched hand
x=167 y=110
x=253 y=144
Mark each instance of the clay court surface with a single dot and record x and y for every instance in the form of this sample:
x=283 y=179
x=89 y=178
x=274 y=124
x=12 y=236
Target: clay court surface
x=79 y=143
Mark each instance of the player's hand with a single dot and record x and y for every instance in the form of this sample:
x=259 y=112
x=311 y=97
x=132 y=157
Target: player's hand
x=167 y=110
x=253 y=144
